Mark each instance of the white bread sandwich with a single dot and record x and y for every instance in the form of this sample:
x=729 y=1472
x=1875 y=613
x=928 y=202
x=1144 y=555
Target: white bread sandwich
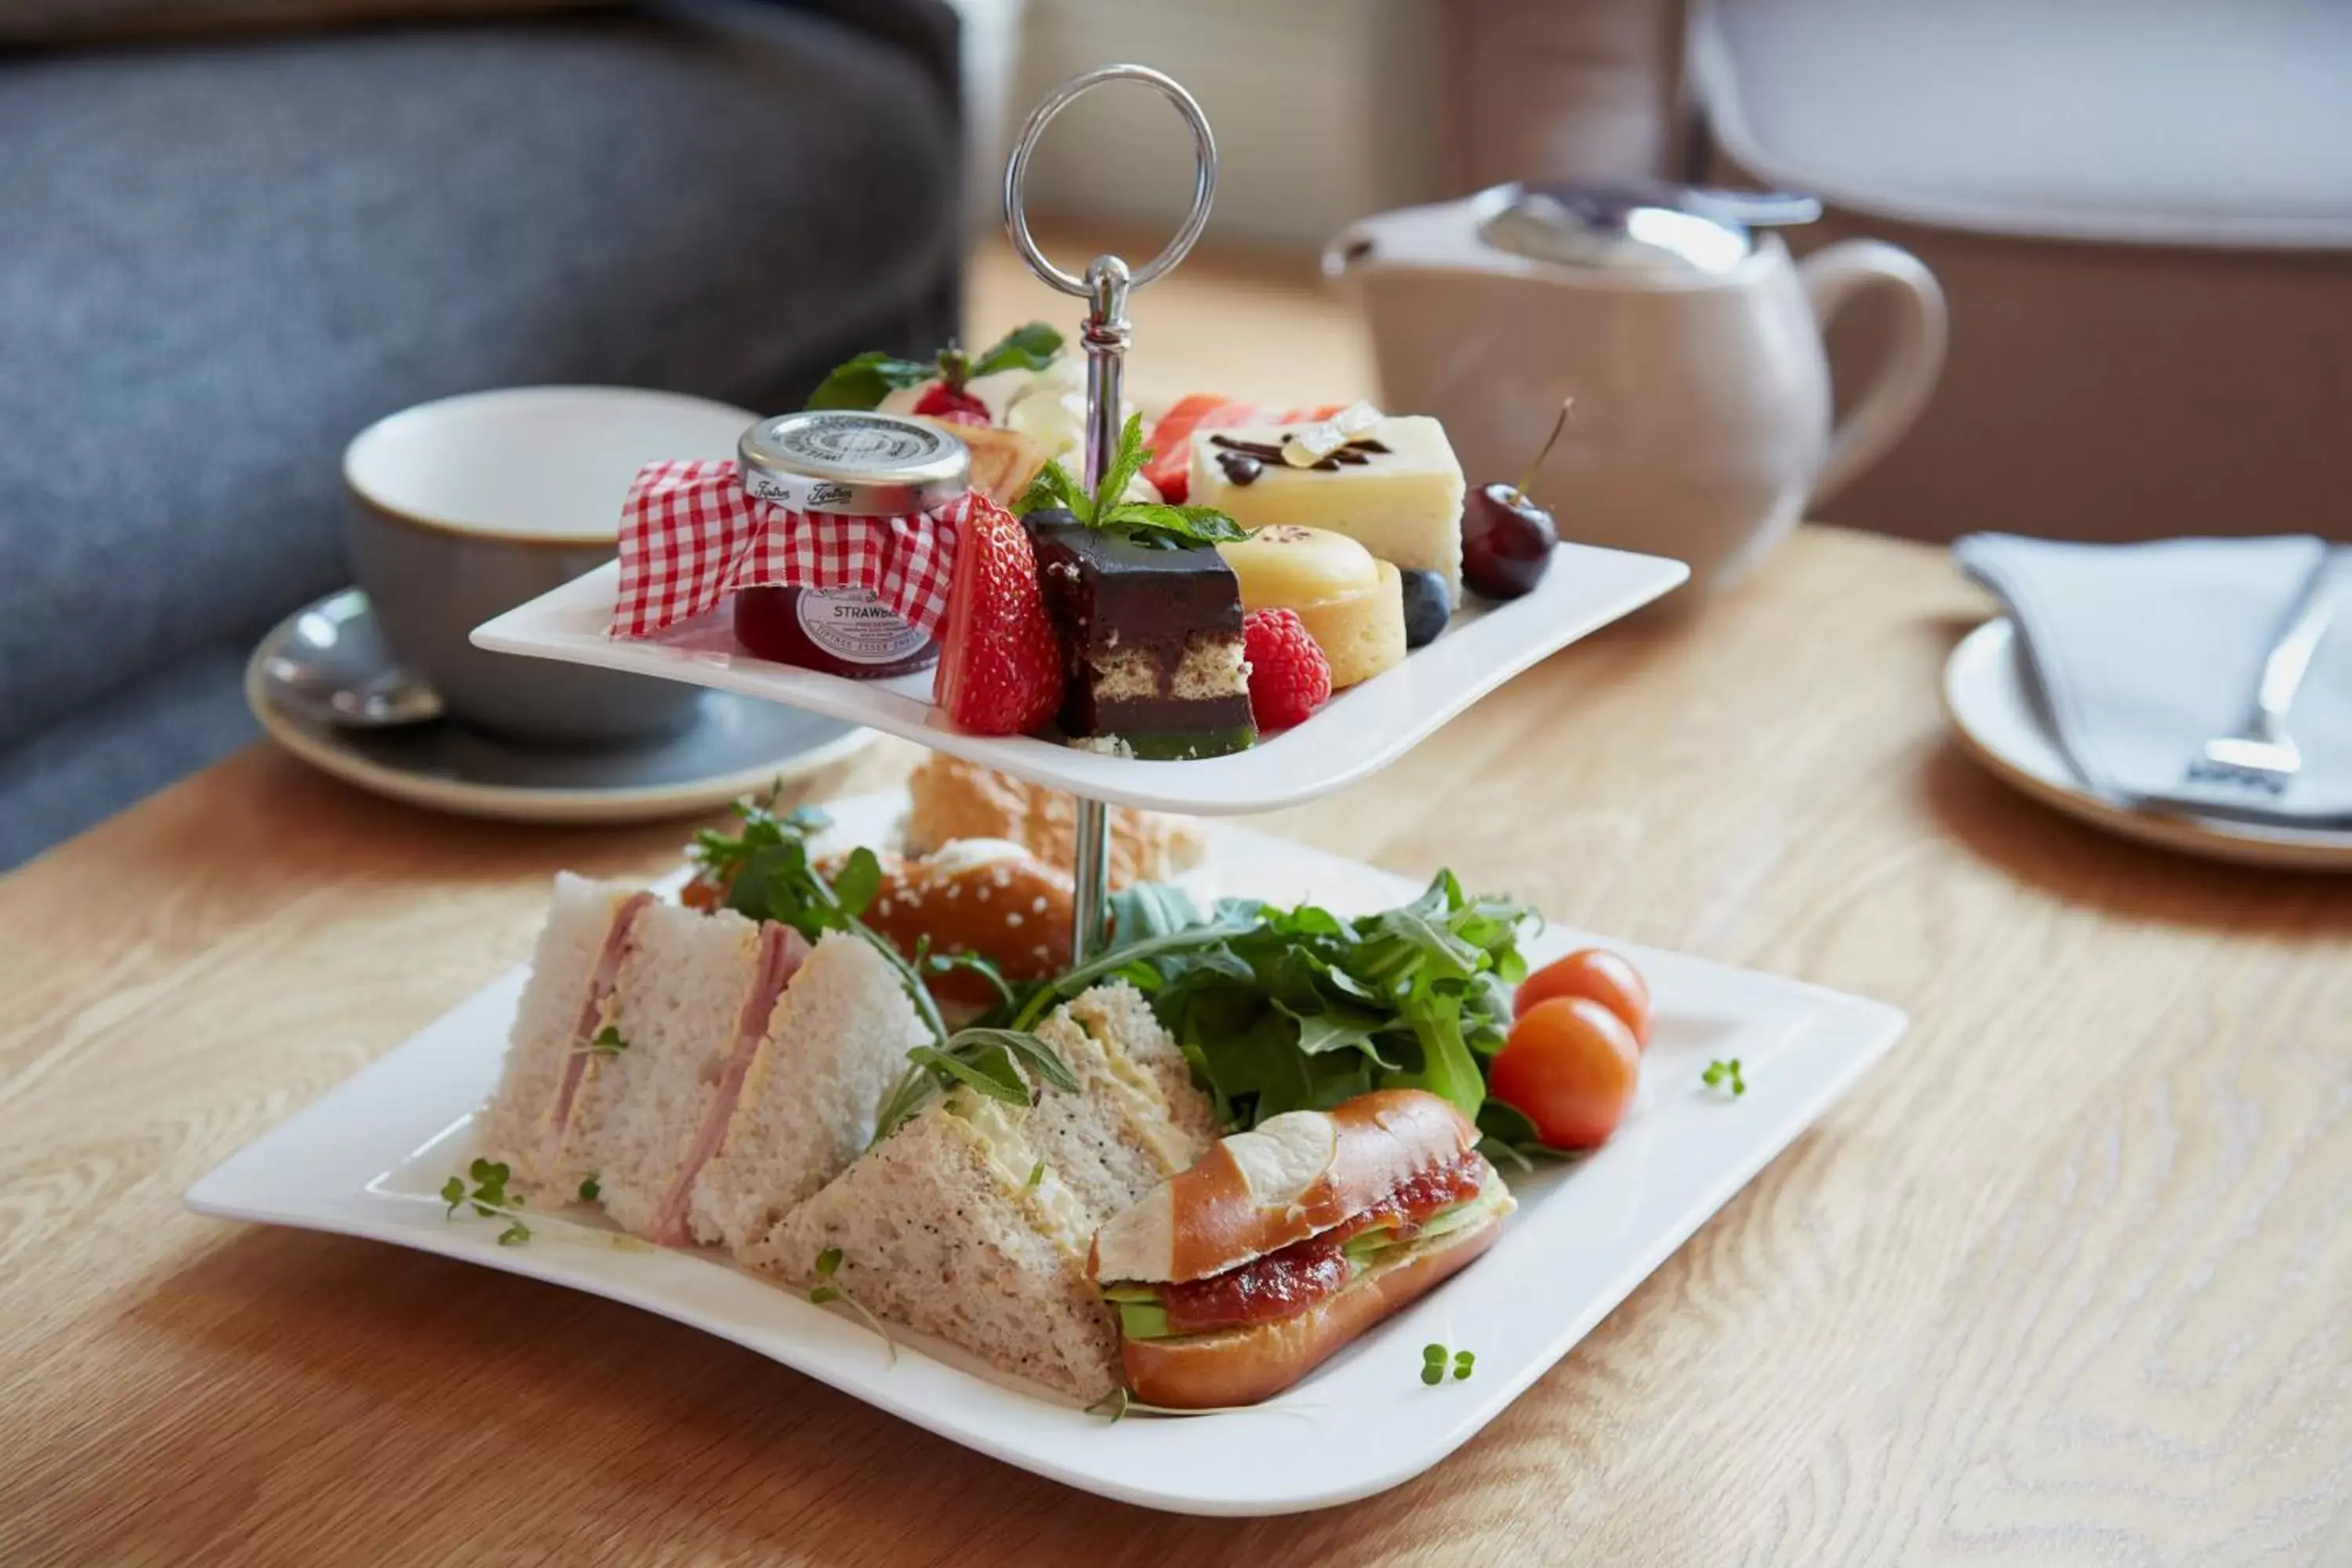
x=1236 y=1279
x=552 y=1061
x=972 y=1220
x=835 y=1043
x=709 y=1071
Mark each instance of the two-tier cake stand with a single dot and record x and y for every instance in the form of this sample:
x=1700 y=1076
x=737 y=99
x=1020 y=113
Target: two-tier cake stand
x=1358 y=734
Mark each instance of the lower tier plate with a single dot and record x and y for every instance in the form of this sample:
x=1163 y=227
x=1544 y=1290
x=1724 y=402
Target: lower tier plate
x=1356 y=734
x=367 y=1159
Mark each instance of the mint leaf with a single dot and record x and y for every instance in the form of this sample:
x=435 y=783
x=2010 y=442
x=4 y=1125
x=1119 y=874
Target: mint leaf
x=1031 y=347
x=1054 y=487
x=865 y=381
x=1128 y=462
x=1157 y=524
x=514 y=1235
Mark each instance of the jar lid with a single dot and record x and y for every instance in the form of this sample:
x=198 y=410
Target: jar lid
x=848 y=461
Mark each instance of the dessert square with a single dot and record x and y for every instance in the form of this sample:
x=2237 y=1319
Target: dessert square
x=1151 y=642
x=1395 y=488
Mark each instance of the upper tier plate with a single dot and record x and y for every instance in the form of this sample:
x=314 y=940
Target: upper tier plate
x=1359 y=732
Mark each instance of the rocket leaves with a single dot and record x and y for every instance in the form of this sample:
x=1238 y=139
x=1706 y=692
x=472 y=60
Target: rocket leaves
x=1296 y=1009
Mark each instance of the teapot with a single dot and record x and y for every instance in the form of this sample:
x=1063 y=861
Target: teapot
x=1673 y=319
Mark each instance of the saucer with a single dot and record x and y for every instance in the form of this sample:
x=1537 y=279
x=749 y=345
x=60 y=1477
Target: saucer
x=1991 y=705
x=734 y=746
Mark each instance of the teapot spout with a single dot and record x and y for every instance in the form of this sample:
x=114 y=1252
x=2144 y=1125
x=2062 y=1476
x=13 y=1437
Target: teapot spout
x=1354 y=249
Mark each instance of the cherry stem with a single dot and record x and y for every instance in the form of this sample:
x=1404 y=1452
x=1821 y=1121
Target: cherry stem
x=1519 y=490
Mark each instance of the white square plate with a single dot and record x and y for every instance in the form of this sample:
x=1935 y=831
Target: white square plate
x=367 y=1158
x=1358 y=732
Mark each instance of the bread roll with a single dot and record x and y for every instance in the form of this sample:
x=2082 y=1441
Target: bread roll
x=989 y=896
x=1289 y=1178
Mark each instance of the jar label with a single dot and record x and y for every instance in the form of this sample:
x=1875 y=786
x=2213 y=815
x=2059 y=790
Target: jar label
x=857 y=628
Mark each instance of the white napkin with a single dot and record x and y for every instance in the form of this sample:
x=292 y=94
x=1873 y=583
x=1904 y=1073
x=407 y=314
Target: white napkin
x=2141 y=653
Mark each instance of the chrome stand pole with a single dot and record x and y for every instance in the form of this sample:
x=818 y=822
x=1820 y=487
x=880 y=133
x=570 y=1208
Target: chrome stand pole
x=1105 y=335
x=1090 y=901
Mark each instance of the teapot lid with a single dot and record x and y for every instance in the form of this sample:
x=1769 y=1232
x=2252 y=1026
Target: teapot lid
x=1639 y=225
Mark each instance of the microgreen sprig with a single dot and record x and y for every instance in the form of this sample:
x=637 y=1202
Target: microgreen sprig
x=483 y=1189
x=1724 y=1075
x=488 y=1197
x=828 y=1288
x=1432 y=1364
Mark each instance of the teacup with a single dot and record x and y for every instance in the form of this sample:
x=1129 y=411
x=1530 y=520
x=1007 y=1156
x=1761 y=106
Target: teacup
x=462 y=508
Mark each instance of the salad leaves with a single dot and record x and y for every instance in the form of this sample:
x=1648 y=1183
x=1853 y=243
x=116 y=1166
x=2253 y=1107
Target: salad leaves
x=1300 y=1009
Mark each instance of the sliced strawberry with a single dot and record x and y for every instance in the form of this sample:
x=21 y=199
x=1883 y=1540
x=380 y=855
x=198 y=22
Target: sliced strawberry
x=1000 y=669
x=941 y=401
x=1170 y=468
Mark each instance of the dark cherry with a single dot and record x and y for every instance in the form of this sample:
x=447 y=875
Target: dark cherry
x=1428 y=605
x=1050 y=516
x=1506 y=542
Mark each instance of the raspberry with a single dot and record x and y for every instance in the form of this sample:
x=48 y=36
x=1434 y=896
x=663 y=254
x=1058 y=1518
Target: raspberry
x=1289 y=677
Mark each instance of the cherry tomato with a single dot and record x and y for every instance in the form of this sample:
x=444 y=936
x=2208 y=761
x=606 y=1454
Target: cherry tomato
x=1571 y=1065
x=1600 y=974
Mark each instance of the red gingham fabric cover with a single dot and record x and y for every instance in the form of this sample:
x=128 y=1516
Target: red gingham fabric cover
x=690 y=537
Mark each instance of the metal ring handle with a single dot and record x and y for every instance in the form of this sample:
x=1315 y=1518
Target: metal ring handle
x=1017 y=172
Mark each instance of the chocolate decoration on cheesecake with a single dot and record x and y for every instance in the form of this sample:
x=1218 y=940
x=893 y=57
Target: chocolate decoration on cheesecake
x=1245 y=461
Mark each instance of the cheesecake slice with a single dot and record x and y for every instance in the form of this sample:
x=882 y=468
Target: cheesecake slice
x=1394 y=487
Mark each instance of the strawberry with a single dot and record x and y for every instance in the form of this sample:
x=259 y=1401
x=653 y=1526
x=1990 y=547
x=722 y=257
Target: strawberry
x=1290 y=676
x=951 y=403
x=1000 y=665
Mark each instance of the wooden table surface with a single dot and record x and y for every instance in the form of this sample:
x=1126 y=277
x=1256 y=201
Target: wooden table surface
x=2066 y=1279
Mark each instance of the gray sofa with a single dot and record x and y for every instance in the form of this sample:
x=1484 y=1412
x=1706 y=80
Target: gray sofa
x=223 y=256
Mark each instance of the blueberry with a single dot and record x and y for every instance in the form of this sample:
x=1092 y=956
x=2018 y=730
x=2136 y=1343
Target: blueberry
x=1050 y=517
x=1427 y=606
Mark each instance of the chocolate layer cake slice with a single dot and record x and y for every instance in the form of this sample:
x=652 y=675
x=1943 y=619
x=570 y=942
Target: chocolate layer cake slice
x=1153 y=642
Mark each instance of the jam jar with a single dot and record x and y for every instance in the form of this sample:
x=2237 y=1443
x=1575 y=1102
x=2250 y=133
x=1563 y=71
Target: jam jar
x=850 y=463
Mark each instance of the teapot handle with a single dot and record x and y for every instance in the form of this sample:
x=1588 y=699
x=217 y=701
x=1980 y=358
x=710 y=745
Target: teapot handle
x=1832 y=276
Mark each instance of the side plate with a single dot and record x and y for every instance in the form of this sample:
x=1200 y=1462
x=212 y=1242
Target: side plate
x=366 y=1159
